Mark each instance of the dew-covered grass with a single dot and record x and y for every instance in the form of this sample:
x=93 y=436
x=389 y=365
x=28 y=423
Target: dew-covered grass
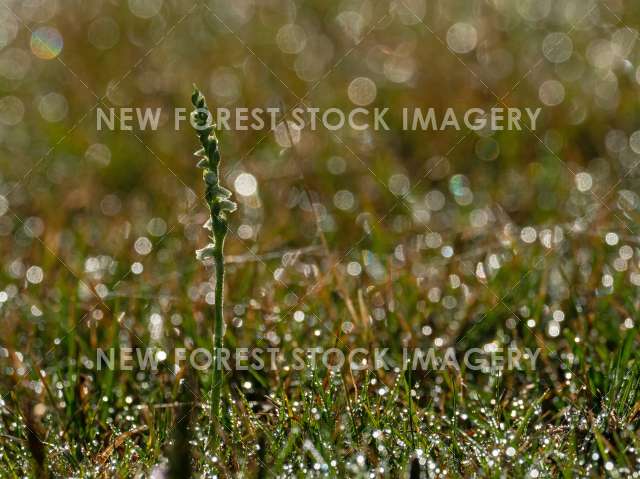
x=398 y=239
x=571 y=295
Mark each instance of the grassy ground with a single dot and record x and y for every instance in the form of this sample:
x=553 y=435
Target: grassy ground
x=391 y=239
x=573 y=414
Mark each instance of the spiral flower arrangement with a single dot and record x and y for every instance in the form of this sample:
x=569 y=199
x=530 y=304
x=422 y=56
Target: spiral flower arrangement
x=220 y=205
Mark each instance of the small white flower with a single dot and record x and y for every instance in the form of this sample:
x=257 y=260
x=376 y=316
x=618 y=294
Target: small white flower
x=206 y=252
x=228 y=206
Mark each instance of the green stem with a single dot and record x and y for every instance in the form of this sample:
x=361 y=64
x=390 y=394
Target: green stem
x=219 y=205
x=218 y=374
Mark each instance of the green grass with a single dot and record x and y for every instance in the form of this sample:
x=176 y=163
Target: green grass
x=572 y=415
x=324 y=253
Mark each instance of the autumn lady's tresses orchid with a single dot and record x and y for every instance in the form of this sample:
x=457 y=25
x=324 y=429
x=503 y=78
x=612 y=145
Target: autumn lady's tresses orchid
x=220 y=205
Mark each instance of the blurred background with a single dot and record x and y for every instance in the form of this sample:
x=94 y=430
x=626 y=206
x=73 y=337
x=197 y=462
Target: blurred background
x=385 y=238
x=122 y=210
x=62 y=60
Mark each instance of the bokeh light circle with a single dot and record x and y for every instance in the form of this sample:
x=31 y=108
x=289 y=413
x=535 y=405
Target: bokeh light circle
x=551 y=93
x=98 y=153
x=104 y=33
x=8 y=27
x=362 y=91
x=53 y=107
x=487 y=149
x=291 y=38
x=145 y=8
x=14 y=63
x=462 y=37
x=46 y=43
x=245 y=184
x=557 y=47
x=11 y=110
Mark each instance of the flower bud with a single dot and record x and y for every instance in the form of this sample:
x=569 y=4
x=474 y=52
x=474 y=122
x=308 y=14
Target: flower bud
x=210 y=177
x=228 y=206
x=206 y=252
